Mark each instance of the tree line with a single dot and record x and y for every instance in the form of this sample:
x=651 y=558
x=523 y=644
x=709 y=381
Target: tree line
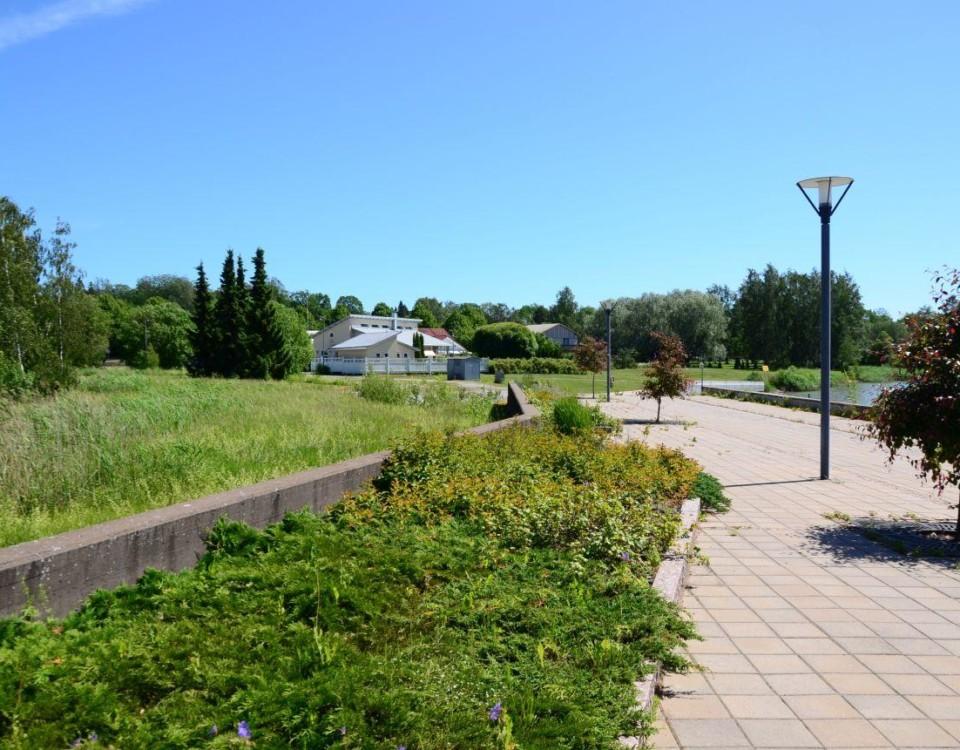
x=49 y=324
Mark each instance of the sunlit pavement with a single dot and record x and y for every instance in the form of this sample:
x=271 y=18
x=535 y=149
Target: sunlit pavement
x=814 y=636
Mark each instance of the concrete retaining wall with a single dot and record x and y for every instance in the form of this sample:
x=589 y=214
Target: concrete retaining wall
x=838 y=408
x=57 y=573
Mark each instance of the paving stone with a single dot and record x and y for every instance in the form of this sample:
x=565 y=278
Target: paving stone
x=863 y=684
x=917 y=684
x=757 y=707
x=739 y=684
x=778 y=664
x=821 y=707
x=799 y=684
x=912 y=733
x=694 y=707
x=938 y=706
x=779 y=733
x=884 y=707
x=846 y=733
x=692 y=733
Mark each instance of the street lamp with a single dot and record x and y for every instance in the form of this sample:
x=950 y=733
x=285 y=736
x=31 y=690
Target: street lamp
x=825 y=209
x=608 y=308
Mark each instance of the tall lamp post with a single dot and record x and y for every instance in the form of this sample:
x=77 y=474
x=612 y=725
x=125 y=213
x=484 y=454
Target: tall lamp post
x=825 y=208
x=608 y=308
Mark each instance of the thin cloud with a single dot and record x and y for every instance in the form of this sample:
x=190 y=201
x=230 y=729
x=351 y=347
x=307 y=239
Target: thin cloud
x=23 y=27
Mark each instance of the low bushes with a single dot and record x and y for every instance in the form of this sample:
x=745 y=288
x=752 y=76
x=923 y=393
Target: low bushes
x=570 y=417
x=794 y=379
x=537 y=488
x=711 y=494
x=509 y=571
x=384 y=389
x=536 y=365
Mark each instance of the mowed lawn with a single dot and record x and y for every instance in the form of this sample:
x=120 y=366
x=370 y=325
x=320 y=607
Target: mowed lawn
x=124 y=441
x=631 y=379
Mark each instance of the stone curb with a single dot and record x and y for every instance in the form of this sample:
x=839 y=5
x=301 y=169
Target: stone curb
x=669 y=582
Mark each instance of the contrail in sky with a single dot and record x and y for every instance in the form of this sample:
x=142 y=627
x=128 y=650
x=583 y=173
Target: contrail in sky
x=23 y=27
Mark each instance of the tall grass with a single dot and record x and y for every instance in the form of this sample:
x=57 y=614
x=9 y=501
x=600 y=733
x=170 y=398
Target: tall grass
x=124 y=441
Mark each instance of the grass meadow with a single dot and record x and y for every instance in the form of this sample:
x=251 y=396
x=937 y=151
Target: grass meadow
x=124 y=441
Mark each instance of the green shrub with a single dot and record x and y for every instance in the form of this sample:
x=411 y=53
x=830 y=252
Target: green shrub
x=711 y=494
x=794 y=379
x=504 y=340
x=535 y=365
x=384 y=390
x=571 y=417
x=13 y=382
x=511 y=569
x=537 y=488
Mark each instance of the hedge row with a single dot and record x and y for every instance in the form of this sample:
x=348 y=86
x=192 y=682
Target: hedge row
x=535 y=365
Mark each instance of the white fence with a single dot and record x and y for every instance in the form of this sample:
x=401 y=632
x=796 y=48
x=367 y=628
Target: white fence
x=754 y=386
x=384 y=365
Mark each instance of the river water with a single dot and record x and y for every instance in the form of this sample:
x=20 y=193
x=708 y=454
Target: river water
x=857 y=393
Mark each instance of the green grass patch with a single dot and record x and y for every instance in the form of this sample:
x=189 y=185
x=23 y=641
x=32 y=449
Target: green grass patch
x=125 y=441
x=475 y=572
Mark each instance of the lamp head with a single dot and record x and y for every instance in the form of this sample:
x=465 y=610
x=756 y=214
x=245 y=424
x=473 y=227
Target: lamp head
x=824 y=192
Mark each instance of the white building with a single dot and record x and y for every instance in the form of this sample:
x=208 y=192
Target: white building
x=377 y=337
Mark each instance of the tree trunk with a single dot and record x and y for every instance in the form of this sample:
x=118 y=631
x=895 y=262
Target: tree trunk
x=956 y=533
x=658 y=410
x=593 y=388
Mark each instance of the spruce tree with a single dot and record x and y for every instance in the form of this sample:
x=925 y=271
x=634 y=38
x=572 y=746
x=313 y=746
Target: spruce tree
x=229 y=323
x=202 y=336
x=247 y=351
x=402 y=310
x=265 y=338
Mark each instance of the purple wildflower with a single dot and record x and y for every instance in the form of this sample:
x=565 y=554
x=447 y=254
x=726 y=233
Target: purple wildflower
x=214 y=731
x=496 y=711
x=93 y=737
x=343 y=731
x=625 y=556
x=243 y=731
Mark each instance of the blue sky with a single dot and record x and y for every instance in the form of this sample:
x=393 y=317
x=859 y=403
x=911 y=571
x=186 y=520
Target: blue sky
x=486 y=150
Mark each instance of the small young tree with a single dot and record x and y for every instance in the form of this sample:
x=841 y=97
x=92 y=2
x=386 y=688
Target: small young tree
x=924 y=412
x=591 y=356
x=665 y=377
x=418 y=346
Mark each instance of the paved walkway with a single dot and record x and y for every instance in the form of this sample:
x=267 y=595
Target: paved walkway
x=813 y=635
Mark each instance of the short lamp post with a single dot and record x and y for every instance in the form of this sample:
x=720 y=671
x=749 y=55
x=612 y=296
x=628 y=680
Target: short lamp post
x=607 y=309
x=825 y=208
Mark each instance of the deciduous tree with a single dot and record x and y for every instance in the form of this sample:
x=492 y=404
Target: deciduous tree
x=924 y=412
x=591 y=356
x=665 y=378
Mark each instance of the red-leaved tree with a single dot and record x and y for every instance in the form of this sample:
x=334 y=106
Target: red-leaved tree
x=924 y=412
x=591 y=356
x=664 y=376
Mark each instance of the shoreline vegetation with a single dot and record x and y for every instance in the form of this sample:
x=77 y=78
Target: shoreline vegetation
x=123 y=441
x=632 y=378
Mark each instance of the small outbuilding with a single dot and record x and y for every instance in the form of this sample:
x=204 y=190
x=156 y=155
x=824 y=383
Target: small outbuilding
x=464 y=368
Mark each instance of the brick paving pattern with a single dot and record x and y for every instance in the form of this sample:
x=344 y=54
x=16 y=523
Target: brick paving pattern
x=814 y=636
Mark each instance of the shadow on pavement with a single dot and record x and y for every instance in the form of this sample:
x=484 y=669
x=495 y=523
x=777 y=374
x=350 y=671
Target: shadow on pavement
x=654 y=423
x=866 y=540
x=764 y=484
